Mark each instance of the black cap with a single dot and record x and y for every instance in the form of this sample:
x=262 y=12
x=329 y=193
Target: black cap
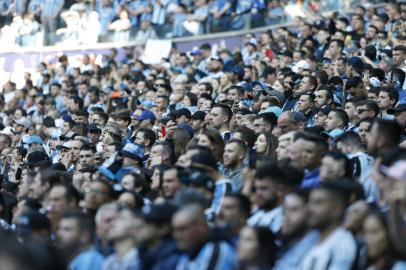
x=35 y=157
x=200 y=179
x=159 y=213
x=183 y=111
x=48 y=122
x=204 y=161
x=199 y=115
x=325 y=110
x=287 y=53
x=33 y=220
x=95 y=127
x=400 y=108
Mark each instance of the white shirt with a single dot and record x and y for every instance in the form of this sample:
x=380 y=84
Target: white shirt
x=336 y=252
x=271 y=219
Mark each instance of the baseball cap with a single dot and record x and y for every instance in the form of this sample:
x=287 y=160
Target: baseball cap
x=35 y=157
x=246 y=86
x=32 y=220
x=261 y=84
x=83 y=139
x=302 y=64
x=398 y=109
x=183 y=111
x=56 y=134
x=273 y=109
x=199 y=115
x=287 y=53
x=204 y=161
x=188 y=128
x=278 y=94
x=334 y=133
x=384 y=17
x=325 y=110
x=34 y=139
x=159 y=213
x=133 y=151
x=23 y=122
x=252 y=41
x=216 y=58
x=145 y=115
x=95 y=127
x=66 y=145
x=116 y=94
x=238 y=70
x=196 y=51
x=48 y=122
x=200 y=179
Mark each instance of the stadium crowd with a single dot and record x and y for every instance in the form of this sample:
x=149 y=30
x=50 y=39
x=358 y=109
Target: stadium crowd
x=29 y=23
x=289 y=153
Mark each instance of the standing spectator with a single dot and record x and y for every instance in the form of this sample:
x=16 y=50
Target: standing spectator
x=50 y=11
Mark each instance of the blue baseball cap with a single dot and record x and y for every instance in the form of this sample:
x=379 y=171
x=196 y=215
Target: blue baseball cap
x=34 y=139
x=334 y=133
x=133 y=151
x=273 y=109
x=145 y=115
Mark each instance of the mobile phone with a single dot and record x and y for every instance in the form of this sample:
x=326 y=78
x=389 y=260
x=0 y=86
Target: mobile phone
x=252 y=159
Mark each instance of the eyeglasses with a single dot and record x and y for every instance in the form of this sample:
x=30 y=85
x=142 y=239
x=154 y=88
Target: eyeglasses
x=381 y=37
x=159 y=85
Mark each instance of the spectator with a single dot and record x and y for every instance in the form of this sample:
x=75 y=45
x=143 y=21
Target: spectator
x=75 y=235
x=252 y=256
x=121 y=234
x=196 y=238
x=233 y=157
x=327 y=197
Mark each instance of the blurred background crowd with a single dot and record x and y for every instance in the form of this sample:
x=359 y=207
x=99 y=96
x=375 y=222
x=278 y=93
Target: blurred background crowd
x=288 y=152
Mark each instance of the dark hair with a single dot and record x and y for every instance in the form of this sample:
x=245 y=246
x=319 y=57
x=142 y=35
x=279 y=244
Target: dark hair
x=390 y=130
x=103 y=115
x=193 y=98
x=347 y=162
x=149 y=134
x=350 y=138
x=319 y=141
x=88 y=147
x=239 y=89
x=139 y=182
x=272 y=144
x=337 y=189
x=393 y=94
x=225 y=109
x=269 y=118
x=84 y=221
x=281 y=173
x=240 y=143
x=244 y=203
x=248 y=135
x=209 y=87
x=71 y=193
x=342 y=115
x=267 y=247
x=370 y=104
x=215 y=138
x=53 y=177
x=340 y=43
